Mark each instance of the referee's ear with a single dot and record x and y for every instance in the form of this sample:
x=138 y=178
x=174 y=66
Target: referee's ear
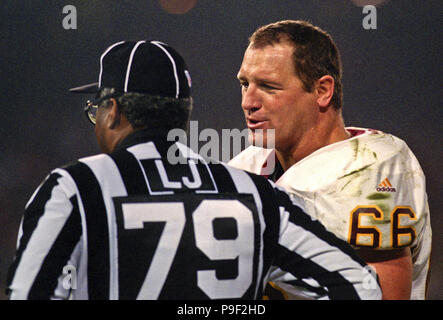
x=114 y=116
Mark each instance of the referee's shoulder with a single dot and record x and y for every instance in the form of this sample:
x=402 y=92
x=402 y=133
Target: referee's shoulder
x=276 y=193
x=84 y=166
x=259 y=181
x=89 y=160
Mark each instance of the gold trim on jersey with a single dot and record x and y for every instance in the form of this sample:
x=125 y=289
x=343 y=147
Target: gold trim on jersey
x=274 y=292
x=401 y=231
x=356 y=229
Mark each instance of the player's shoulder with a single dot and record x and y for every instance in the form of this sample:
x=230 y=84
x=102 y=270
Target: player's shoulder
x=385 y=148
x=268 y=190
x=251 y=159
x=366 y=158
x=240 y=174
x=384 y=143
x=365 y=148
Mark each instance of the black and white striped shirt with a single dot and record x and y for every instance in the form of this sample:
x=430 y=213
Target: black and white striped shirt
x=131 y=225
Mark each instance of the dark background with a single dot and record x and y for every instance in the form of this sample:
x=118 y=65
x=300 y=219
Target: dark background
x=392 y=81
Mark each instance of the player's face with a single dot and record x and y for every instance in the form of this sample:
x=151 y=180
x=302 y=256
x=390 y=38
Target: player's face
x=273 y=96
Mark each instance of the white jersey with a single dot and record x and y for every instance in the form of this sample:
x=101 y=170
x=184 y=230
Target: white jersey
x=369 y=190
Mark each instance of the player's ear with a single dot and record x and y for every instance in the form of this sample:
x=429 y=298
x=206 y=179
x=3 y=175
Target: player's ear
x=324 y=88
x=113 y=116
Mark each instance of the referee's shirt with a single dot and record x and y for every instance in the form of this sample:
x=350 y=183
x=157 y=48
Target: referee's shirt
x=132 y=225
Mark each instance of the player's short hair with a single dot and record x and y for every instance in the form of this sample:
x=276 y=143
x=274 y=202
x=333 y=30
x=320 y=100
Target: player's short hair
x=151 y=111
x=315 y=53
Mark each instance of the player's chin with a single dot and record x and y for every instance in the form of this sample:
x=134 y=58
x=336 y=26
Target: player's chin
x=264 y=138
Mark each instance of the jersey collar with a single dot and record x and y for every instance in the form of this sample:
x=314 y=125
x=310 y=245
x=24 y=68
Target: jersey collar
x=143 y=135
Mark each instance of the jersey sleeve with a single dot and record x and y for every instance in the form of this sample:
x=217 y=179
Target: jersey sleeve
x=314 y=263
x=49 y=232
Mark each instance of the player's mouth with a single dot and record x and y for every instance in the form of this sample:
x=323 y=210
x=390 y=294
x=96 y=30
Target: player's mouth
x=255 y=123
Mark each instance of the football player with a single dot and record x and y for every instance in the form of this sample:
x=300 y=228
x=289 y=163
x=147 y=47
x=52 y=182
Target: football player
x=364 y=185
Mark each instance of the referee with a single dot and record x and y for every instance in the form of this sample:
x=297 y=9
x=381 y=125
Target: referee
x=129 y=224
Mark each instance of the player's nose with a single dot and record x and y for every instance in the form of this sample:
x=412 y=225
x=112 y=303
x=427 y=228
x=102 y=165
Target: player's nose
x=250 y=99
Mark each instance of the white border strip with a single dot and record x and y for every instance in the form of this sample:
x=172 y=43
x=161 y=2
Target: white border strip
x=128 y=70
x=101 y=61
x=177 y=84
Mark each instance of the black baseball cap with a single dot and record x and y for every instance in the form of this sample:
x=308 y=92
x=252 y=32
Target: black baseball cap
x=149 y=67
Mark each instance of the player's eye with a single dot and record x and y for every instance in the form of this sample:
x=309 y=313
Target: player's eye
x=267 y=86
x=244 y=84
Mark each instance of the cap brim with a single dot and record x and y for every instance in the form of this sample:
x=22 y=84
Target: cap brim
x=88 y=88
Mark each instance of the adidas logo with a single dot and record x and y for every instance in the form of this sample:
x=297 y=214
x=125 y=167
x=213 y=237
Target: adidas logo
x=385 y=186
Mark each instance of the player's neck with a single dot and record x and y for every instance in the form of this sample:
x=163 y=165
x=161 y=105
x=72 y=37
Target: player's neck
x=326 y=132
